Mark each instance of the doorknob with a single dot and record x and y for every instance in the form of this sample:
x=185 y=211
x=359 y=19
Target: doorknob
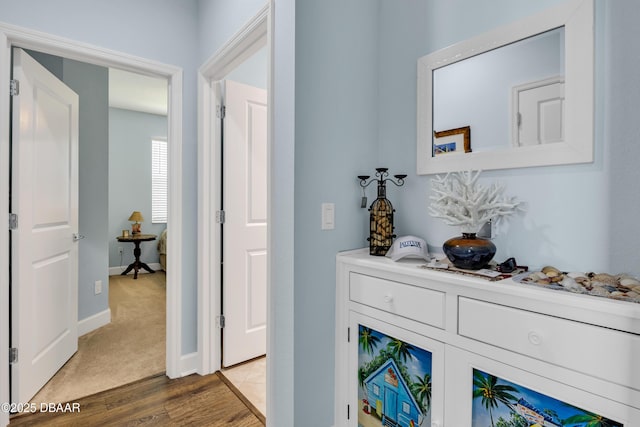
x=77 y=237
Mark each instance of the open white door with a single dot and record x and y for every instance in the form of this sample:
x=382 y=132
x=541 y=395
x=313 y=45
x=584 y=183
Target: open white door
x=44 y=250
x=244 y=249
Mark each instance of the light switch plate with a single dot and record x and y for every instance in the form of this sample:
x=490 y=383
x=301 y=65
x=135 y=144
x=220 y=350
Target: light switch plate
x=328 y=216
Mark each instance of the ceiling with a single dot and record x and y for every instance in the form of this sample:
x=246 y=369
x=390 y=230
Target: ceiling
x=132 y=91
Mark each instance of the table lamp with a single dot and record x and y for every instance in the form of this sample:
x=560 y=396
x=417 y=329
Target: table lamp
x=137 y=217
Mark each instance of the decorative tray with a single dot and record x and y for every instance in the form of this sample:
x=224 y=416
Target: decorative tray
x=621 y=287
x=490 y=272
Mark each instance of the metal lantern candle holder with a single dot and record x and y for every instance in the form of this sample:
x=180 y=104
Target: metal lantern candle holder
x=380 y=212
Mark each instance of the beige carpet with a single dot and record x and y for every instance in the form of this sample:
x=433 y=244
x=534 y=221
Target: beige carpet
x=130 y=348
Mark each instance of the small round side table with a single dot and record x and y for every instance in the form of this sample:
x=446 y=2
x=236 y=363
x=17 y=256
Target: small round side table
x=136 y=265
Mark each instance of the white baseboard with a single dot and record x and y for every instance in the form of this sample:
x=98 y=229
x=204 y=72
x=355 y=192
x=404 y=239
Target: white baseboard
x=115 y=271
x=94 y=322
x=188 y=364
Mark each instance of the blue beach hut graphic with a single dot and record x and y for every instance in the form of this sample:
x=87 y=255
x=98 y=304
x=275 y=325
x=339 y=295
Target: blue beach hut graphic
x=391 y=398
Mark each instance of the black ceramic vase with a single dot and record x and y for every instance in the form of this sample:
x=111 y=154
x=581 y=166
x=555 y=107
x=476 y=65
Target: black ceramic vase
x=469 y=251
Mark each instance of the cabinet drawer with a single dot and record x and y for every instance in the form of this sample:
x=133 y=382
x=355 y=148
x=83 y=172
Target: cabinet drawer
x=605 y=353
x=413 y=302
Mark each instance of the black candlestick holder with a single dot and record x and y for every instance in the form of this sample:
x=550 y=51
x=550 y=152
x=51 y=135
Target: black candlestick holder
x=381 y=211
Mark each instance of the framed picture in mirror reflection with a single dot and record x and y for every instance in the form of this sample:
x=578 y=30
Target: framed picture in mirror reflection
x=452 y=141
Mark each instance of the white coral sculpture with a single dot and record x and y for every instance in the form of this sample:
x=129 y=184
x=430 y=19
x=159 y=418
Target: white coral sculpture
x=459 y=200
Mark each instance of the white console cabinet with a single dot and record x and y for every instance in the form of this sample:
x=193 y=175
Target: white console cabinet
x=418 y=347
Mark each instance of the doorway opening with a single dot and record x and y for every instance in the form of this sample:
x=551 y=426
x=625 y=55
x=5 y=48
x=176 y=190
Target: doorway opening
x=22 y=38
x=248 y=52
x=122 y=318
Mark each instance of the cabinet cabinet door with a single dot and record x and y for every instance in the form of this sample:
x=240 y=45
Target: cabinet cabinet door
x=482 y=392
x=395 y=375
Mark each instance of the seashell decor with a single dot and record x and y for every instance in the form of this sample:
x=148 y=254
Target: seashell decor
x=621 y=287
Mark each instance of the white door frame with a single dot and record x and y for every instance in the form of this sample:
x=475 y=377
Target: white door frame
x=249 y=39
x=11 y=36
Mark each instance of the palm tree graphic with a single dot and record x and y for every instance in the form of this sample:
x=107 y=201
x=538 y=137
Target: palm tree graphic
x=589 y=419
x=422 y=390
x=400 y=349
x=367 y=340
x=491 y=393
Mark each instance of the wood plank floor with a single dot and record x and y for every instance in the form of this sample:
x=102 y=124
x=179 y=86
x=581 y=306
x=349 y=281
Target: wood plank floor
x=194 y=400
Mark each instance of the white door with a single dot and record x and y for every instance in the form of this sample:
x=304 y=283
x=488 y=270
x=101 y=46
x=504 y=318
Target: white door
x=540 y=112
x=44 y=255
x=244 y=247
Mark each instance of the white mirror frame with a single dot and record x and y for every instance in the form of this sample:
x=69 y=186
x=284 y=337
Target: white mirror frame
x=577 y=16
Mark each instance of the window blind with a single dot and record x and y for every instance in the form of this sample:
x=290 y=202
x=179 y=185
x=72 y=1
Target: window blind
x=159 y=181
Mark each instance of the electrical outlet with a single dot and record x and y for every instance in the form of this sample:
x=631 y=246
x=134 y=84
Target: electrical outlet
x=120 y=250
x=97 y=287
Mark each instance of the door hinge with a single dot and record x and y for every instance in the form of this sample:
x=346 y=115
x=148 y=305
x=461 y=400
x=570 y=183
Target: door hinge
x=13 y=355
x=221 y=111
x=220 y=321
x=519 y=119
x=13 y=221
x=220 y=217
x=14 y=87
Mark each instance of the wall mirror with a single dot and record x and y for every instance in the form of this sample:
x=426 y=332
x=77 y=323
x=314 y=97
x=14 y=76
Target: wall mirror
x=518 y=96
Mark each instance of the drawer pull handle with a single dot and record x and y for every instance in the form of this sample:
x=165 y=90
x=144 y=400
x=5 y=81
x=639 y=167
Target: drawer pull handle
x=388 y=298
x=535 y=338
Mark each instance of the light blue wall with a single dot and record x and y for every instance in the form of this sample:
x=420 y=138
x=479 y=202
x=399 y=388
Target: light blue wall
x=446 y=22
x=219 y=20
x=160 y=30
x=336 y=122
x=130 y=135
x=621 y=128
x=154 y=29
x=90 y=82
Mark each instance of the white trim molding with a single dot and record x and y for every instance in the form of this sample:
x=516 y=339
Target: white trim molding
x=188 y=364
x=174 y=227
x=11 y=36
x=94 y=322
x=5 y=125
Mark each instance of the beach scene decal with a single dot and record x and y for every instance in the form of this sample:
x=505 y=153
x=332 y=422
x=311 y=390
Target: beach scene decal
x=394 y=381
x=500 y=403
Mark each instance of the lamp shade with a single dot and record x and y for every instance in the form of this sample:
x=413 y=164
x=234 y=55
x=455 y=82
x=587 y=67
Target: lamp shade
x=136 y=216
